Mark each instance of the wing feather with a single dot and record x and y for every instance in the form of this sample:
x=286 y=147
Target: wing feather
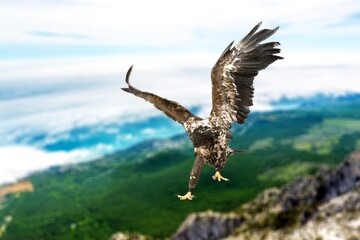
x=233 y=75
x=170 y=108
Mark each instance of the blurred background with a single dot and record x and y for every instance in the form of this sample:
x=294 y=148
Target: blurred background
x=62 y=64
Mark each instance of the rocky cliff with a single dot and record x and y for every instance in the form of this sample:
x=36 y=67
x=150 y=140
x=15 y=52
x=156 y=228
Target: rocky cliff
x=325 y=206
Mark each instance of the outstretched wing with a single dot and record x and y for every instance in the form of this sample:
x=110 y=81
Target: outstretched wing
x=233 y=75
x=172 y=109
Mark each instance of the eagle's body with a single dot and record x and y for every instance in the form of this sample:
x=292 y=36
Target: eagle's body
x=232 y=92
x=210 y=141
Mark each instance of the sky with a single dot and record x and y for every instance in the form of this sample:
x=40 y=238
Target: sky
x=63 y=62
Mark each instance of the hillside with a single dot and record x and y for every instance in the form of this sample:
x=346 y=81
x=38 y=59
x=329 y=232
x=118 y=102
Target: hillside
x=135 y=190
x=15 y=188
x=325 y=206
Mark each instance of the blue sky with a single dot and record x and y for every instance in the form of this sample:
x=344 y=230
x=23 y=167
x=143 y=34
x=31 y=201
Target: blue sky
x=62 y=64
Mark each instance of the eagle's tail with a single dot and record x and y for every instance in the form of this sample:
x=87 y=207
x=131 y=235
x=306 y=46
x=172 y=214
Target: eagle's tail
x=239 y=150
x=129 y=90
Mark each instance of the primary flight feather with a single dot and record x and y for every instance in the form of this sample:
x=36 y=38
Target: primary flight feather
x=232 y=94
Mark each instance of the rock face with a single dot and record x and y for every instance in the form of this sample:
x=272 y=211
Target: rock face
x=326 y=184
x=336 y=219
x=326 y=206
x=207 y=225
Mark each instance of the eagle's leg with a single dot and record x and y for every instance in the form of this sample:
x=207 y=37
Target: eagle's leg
x=194 y=177
x=219 y=166
x=217 y=176
x=188 y=196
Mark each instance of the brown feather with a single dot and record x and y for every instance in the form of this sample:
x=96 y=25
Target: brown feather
x=235 y=71
x=170 y=108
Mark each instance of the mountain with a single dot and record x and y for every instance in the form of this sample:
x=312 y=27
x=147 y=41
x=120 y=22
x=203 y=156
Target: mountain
x=325 y=206
x=317 y=100
x=135 y=190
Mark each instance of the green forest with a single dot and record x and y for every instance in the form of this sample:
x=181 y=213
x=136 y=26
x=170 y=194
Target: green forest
x=135 y=190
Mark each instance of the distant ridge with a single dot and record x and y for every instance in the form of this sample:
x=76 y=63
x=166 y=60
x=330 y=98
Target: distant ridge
x=319 y=99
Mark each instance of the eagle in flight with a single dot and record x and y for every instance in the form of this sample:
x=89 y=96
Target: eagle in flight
x=232 y=93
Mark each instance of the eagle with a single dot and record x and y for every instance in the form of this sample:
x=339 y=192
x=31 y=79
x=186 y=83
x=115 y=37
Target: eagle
x=232 y=94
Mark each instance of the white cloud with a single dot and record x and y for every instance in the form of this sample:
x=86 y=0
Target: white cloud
x=103 y=148
x=19 y=161
x=305 y=81
x=96 y=98
x=128 y=136
x=167 y=23
x=148 y=131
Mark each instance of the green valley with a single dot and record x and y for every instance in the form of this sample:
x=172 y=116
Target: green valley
x=135 y=191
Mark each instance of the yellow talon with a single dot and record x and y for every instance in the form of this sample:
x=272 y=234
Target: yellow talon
x=188 y=196
x=218 y=177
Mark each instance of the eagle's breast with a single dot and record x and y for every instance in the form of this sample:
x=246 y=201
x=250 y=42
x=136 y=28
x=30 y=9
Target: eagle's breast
x=203 y=136
x=201 y=132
